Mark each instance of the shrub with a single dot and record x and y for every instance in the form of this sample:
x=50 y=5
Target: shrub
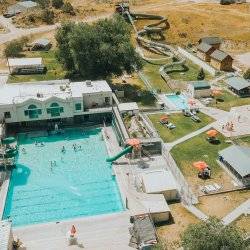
x=48 y=16
x=68 y=8
x=201 y=75
x=57 y=3
x=246 y=74
x=15 y=47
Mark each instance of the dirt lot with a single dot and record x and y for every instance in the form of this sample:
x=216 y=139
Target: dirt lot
x=170 y=233
x=221 y=204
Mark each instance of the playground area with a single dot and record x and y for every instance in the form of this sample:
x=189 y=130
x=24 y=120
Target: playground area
x=184 y=125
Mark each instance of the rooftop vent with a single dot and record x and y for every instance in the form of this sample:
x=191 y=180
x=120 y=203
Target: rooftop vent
x=89 y=83
x=39 y=95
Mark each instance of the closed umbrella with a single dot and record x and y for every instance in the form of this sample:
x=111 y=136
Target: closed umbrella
x=164 y=118
x=201 y=165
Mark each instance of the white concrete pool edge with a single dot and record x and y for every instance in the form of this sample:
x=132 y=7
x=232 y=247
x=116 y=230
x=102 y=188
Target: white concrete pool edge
x=3 y=193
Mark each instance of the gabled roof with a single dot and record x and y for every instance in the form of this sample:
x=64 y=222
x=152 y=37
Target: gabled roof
x=42 y=42
x=238 y=83
x=200 y=85
x=219 y=55
x=211 y=40
x=238 y=157
x=204 y=47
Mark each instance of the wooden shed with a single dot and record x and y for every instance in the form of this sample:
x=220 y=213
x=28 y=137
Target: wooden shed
x=204 y=51
x=221 y=60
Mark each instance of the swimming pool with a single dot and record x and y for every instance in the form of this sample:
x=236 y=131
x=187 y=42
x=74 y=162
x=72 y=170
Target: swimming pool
x=179 y=101
x=49 y=185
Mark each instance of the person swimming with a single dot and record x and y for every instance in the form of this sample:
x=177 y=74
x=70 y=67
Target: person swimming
x=24 y=150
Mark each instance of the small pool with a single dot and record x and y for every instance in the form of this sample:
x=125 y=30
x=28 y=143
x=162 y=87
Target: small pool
x=49 y=185
x=179 y=101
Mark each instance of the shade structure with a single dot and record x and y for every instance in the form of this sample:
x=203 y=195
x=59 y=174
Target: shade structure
x=8 y=140
x=212 y=133
x=73 y=230
x=164 y=118
x=133 y=142
x=191 y=101
x=216 y=92
x=201 y=165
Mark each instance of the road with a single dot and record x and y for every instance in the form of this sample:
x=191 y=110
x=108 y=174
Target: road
x=14 y=33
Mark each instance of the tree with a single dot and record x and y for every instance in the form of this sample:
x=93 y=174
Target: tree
x=201 y=75
x=98 y=50
x=57 y=3
x=43 y=3
x=246 y=74
x=48 y=16
x=15 y=47
x=212 y=235
x=68 y=8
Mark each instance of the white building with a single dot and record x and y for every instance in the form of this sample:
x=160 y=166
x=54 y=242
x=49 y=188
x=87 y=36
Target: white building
x=50 y=100
x=160 y=182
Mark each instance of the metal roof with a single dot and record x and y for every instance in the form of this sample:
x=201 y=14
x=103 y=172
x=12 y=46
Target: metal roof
x=211 y=40
x=238 y=157
x=27 y=4
x=158 y=180
x=200 y=85
x=17 y=62
x=42 y=42
x=219 y=55
x=204 y=47
x=238 y=83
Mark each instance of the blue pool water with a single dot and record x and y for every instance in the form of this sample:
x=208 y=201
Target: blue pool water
x=80 y=184
x=180 y=101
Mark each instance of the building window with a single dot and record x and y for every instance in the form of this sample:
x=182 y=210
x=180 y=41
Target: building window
x=7 y=115
x=107 y=100
x=78 y=106
x=33 y=112
x=55 y=110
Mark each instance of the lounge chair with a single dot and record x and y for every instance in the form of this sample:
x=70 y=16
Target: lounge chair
x=195 y=118
x=170 y=125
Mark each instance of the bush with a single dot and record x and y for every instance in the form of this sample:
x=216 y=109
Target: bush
x=15 y=47
x=57 y=3
x=48 y=16
x=43 y=3
x=201 y=75
x=246 y=74
x=68 y=8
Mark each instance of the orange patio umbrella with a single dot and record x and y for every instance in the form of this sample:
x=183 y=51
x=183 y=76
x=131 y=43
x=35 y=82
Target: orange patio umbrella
x=133 y=142
x=191 y=101
x=73 y=230
x=216 y=92
x=164 y=117
x=201 y=165
x=212 y=133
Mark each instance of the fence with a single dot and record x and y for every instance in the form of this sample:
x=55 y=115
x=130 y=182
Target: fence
x=186 y=193
x=197 y=61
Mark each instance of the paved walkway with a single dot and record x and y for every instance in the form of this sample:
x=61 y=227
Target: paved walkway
x=189 y=136
x=237 y=212
x=105 y=232
x=213 y=112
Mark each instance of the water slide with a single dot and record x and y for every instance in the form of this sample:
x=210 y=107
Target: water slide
x=123 y=152
x=163 y=49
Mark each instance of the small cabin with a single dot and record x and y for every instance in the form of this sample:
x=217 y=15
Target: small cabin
x=214 y=41
x=222 y=61
x=199 y=89
x=41 y=44
x=204 y=51
x=239 y=86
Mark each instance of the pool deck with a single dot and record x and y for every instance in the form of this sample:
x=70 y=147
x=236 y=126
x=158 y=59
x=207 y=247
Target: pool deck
x=103 y=232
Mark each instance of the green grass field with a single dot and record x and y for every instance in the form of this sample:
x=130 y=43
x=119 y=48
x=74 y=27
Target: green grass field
x=55 y=70
x=227 y=100
x=152 y=73
x=184 y=125
x=198 y=149
x=190 y=75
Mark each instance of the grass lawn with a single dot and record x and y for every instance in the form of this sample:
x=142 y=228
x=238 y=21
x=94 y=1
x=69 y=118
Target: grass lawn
x=152 y=73
x=184 y=125
x=199 y=149
x=243 y=141
x=227 y=100
x=55 y=70
x=190 y=74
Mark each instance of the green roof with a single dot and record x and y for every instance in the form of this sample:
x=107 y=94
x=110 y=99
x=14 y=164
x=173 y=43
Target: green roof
x=238 y=157
x=238 y=83
x=201 y=85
